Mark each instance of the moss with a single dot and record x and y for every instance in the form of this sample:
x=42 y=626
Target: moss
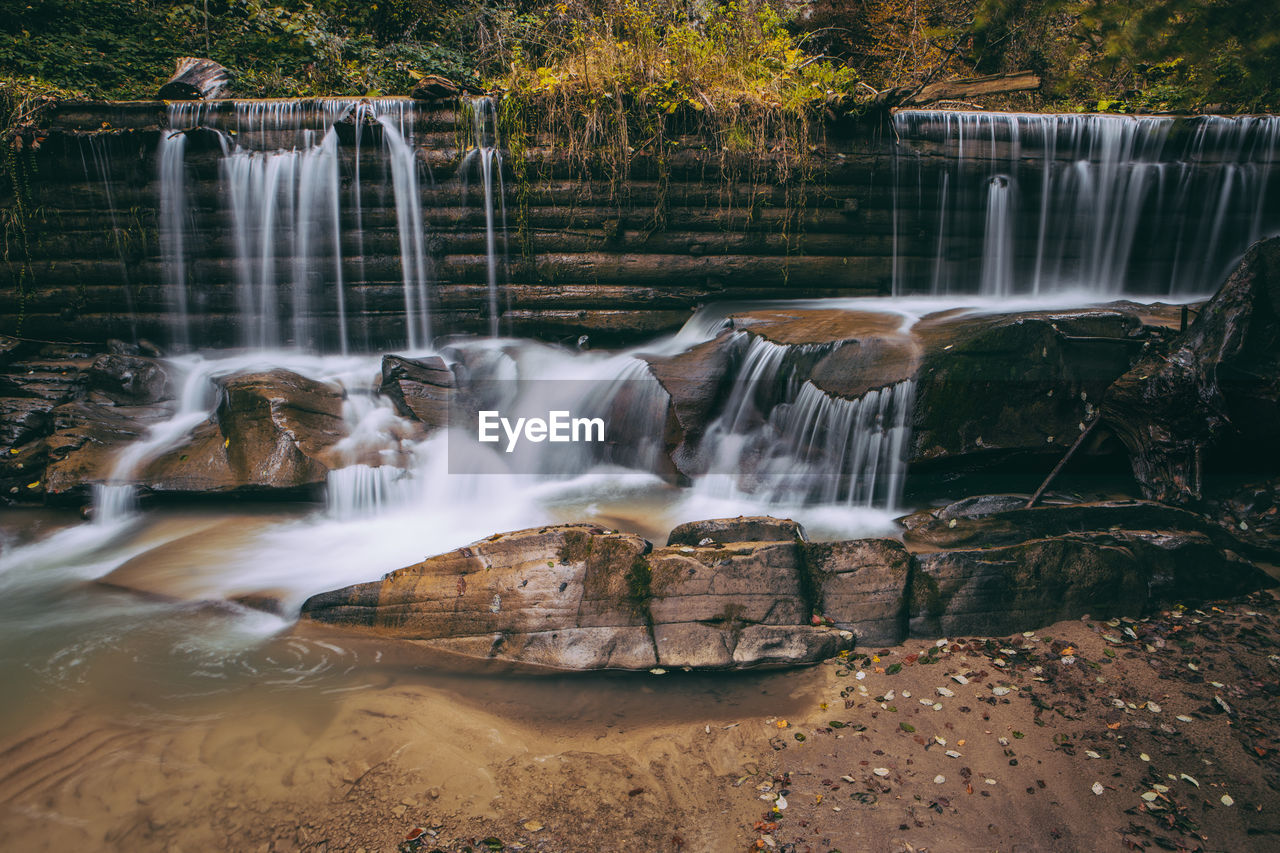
x=639 y=583
x=618 y=572
x=576 y=547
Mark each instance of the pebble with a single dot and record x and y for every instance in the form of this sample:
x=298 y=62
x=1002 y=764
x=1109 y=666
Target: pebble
x=1098 y=789
x=939 y=779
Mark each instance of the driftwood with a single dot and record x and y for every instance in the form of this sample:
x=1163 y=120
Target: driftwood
x=196 y=80
x=953 y=90
x=1062 y=463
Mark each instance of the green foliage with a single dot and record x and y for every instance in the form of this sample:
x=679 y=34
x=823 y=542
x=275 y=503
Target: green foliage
x=1146 y=54
x=124 y=49
x=660 y=58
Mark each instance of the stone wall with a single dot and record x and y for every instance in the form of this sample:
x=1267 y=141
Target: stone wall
x=584 y=256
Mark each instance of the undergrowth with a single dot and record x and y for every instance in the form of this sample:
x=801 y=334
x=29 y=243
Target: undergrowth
x=618 y=93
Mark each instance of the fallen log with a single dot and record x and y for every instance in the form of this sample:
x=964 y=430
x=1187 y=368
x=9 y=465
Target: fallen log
x=196 y=80
x=963 y=89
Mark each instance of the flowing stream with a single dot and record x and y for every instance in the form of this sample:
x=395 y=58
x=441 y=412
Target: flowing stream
x=1025 y=212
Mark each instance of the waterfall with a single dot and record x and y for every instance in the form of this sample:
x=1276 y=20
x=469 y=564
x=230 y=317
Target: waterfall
x=1107 y=205
x=413 y=263
x=174 y=215
x=280 y=179
x=997 y=243
x=361 y=491
x=113 y=503
x=486 y=158
x=781 y=438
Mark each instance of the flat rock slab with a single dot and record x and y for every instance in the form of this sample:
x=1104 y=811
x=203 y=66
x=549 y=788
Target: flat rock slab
x=757 y=528
x=579 y=597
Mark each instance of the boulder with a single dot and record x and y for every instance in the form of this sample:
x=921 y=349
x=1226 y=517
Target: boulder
x=862 y=587
x=558 y=597
x=578 y=597
x=695 y=380
x=996 y=388
x=1215 y=388
x=741 y=529
x=272 y=431
x=129 y=379
x=419 y=388
x=1016 y=569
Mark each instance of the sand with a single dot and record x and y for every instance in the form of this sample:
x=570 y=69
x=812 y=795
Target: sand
x=684 y=762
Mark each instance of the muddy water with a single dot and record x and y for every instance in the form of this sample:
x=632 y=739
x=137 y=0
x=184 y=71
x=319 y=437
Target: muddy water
x=145 y=709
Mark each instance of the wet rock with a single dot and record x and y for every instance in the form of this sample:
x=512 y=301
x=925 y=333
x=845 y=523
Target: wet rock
x=1215 y=388
x=129 y=379
x=862 y=586
x=741 y=529
x=419 y=388
x=976 y=522
x=271 y=431
x=860 y=351
x=696 y=382
x=87 y=440
x=994 y=388
x=578 y=597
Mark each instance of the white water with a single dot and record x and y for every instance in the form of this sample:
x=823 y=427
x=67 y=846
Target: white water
x=1107 y=204
x=280 y=179
x=485 y=157
x=780 y=440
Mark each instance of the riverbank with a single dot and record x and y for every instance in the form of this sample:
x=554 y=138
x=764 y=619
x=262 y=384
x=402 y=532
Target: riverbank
x=967 y=744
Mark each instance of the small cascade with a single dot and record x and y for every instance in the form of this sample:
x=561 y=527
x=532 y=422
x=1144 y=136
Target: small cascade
x=781 y=438
x=413 y=256
x=997 y=244
x=283 y=205
x=1096 y=203
x=175 y=216
x=113 y=503
x=362 y=491
x=486 y=159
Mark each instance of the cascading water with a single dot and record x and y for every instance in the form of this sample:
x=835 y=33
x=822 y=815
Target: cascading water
x=997 y=243
x=413 y=263
x=280 y=174
x=485 y=157
x=781 y=438
x=1089 y=203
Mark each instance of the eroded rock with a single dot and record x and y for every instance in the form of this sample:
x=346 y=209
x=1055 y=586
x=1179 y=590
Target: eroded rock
x=579 y=597
x=862 y=585
x=1216 y=384
x=419 y=388
x=271 y=431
